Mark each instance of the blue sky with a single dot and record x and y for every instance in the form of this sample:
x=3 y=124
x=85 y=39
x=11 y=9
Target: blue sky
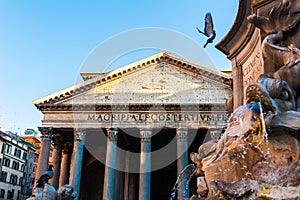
x=44 y=43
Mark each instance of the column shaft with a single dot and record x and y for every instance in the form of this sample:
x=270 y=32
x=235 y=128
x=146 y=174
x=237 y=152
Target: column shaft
x=76 y=163
x=120 y=175
x=65 y=165
x=132 y=187
x=57 y=151
x=45 y=151
x=110 y=164
x=145 y=165
x=126 y=185
x=126 y=178
x=119 y=185
x=182 y=161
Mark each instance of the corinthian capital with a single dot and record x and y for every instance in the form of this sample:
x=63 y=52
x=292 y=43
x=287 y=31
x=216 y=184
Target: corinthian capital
x=80 y=134
x=56 y=139
x=112 y=134
x=145 y=134
x=67 y=148
x=181 y=134
x=46 y=132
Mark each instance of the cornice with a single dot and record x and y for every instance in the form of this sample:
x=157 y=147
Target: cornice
x=133 y=107
x=90 y=75
x=240 y=32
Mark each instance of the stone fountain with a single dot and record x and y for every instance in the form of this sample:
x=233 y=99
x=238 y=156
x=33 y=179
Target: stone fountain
x=258 y=156
x=48 y=192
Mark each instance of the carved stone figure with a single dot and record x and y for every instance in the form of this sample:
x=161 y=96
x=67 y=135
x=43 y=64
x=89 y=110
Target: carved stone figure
x=278 y=103
x=66 y=192
x=258 y=156
x=48 y=192
x=285 y=58
x=247 y=150
x=251 y=189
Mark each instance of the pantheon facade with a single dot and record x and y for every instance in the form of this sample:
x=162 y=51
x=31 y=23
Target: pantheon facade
x=127 y=134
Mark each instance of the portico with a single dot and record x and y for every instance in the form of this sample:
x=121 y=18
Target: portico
x=127 y=133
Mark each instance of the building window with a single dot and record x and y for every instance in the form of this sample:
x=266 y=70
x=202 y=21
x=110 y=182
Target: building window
x=6 y=148
x=21 y=181
x=15 y=165
x=3 y=176
x=23 y=168
x=13 y=179
x=29 y=191
x=2 y=193
x=19 y=193
x=24 y=157
x=6 y=162
x=17 y=153
x=10 y=194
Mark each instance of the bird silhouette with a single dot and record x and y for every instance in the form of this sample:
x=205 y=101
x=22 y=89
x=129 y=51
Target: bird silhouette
x=208 y=29
x=45 y=177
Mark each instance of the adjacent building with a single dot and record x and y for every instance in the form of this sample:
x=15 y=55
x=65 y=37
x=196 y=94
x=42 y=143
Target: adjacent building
x=16 y=164
x=33 y=137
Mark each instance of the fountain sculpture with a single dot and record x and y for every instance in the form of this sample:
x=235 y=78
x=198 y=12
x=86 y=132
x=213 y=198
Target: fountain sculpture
x=184 y=177
x=48 y=192
x=258 y=156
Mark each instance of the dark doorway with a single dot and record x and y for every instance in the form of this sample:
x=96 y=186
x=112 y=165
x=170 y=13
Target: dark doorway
x=163 y=179
x=92 y=179
x=162 y=182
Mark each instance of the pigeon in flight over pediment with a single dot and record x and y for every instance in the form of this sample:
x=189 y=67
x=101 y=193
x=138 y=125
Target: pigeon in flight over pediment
x=208 y=29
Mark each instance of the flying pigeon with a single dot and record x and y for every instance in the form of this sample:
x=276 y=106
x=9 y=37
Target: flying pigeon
x=208 y=29
x=45 y=177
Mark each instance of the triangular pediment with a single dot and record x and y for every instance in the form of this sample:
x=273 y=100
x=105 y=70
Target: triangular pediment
x=159 y=79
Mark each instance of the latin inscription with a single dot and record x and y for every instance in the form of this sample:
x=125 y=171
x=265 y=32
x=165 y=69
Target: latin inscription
x=252 y=69
x=142 y=117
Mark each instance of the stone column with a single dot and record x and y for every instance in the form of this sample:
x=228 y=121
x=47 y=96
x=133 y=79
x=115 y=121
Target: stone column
x=76 y=163
x=110 y=164
x=65 y=164
x=45 y=151
x=132 y=186
x=145 y=165
x=182 y=161
x=120 y=175
x=130 y=179
x=57 y=150
x=119 y=185
x=126 y=178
